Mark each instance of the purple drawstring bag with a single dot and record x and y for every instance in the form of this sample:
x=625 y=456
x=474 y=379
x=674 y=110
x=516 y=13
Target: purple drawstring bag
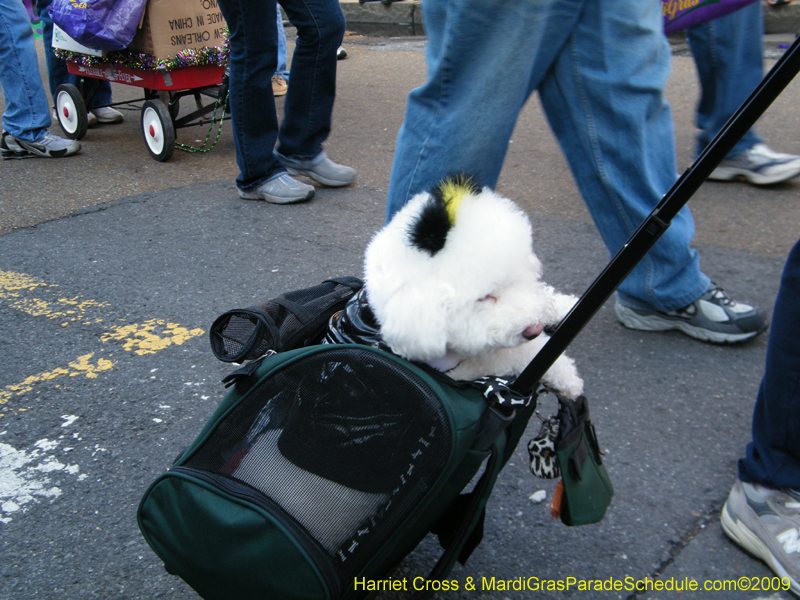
x=99 y=24
x=682 y=14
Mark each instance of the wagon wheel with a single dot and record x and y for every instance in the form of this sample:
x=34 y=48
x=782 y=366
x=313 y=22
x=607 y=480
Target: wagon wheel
x=71 y=111
x=158 y=130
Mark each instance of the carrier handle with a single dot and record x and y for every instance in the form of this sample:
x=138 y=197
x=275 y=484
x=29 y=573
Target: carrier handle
x=654 y=226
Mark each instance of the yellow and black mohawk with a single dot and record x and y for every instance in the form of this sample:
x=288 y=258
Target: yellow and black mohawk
x=428 y=231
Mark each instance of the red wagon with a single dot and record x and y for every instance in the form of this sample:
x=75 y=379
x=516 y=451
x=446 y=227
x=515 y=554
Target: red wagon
x=159 y=119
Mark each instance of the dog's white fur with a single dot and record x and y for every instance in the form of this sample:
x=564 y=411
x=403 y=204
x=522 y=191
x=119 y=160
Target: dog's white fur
x=477 y=298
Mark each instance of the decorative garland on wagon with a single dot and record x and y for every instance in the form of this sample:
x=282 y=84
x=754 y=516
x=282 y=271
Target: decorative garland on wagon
x=190 y=57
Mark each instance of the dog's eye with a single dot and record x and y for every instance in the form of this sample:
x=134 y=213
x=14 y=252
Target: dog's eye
x=487 y=298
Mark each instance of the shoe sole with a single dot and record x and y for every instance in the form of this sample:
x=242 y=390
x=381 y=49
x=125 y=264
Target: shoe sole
x=318 y=178
x=25 y=153
x=13 y=154
x=275 y=199
x=749 y=541
x=730 y=174
x=632 y=320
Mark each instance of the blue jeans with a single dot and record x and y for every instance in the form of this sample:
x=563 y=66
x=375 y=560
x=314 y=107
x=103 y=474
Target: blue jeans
x=27 y=115
x=773 y=457
x=599 y=67
x=728 y=53
x=254 y=59
x=57 y=72
x=282 y=69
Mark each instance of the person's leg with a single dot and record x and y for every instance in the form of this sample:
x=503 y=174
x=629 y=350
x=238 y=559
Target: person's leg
x=26 y=115
x=728 y=54
x=604 y=100
x=773 y=457
x=280 y=80
x=762 y=512
x=283 y=68
x=57 y=72
x=253 y=58
x=309 y=102
x=458 y=121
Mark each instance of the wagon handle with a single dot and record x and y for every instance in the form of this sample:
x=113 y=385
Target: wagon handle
x=657 y=222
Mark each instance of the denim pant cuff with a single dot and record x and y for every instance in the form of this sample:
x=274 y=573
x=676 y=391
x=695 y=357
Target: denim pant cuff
x=679 y=303
x=301 y=162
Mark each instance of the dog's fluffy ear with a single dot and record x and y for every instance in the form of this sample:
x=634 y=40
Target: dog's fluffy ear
x=428 y=230
x=413 y=326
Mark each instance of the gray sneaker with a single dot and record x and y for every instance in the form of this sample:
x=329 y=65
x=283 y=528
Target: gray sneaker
x=106 y=115
x=321 y=169
x=281 y=189
x=713 y=317
x=47 y=146
x=766 y=523
x=760 y=165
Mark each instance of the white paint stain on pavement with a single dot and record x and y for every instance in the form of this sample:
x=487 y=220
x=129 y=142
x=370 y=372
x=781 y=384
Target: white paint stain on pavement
x=68 y=420
x=25 y=477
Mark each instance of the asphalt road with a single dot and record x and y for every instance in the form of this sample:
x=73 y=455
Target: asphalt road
x=113 y=267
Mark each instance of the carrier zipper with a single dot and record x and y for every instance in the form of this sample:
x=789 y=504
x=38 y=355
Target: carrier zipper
x=248 y=494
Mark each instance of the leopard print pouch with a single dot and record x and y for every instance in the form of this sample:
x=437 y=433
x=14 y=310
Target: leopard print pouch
x=542 y=451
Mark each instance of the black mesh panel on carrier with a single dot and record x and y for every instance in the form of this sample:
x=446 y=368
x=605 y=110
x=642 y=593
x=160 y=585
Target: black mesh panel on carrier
x=345 y=443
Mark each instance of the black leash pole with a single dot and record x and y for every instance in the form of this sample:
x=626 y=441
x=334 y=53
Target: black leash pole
x=654 y=225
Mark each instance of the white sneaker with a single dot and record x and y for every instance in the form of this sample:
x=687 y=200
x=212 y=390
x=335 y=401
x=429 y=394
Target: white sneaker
x=107 y=115
x=760 y=165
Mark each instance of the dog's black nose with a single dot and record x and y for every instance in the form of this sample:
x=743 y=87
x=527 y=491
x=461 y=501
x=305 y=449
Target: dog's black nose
x=531 y=331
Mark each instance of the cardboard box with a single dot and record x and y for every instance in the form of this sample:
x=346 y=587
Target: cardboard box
x=169 y=26
x=63 y=41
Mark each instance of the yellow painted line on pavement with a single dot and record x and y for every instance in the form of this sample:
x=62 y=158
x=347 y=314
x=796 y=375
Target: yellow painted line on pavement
x=38 y=298
x=16 y=291
x=151 y=336
x=82 y=366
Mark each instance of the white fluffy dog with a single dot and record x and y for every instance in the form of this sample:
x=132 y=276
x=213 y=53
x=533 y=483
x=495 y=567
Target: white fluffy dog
x=453 y=281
